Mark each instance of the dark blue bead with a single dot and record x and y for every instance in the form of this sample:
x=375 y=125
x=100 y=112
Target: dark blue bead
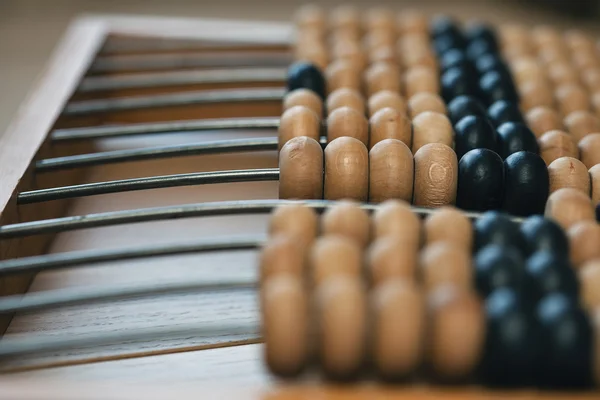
x=549 y=272
x=473 y=132
x=480 y=181
x=498 y=267
x=302 y=75
x=463 y=106
x=543 y=234
x=445 y=43
x=490 y=62
x=442 y=25
x=514 y=137
x=479 y=48
x=495 y=227
x=454 y=58
x=496 y=86
x=526 y=184
x=457 y=82
x=481 y=32
x=504 y=111
x=598 y=212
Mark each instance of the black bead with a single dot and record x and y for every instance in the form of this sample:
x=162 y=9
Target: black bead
x=479 y=48
x=498 y=267
x=566 y=334
x=496 y=86
x=481 y=32
x=514 y=137
x=547 y=273
x=463 y=106
x=444 y=25
x=457 y=82
x=544 y=234
x=454 y=58
x=473 y=132
x=489 y=62
x=503 y=111
x=480 y=181
x=526 y=184
x=598 y=212
x=302 y=75
x=512 y=344
x=445 y=43
x=495 y=227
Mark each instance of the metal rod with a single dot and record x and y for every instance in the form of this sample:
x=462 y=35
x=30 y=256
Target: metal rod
x=86 y=258
x=179 y=78
x=85 y=107
x=153 y=182
x=100 y=132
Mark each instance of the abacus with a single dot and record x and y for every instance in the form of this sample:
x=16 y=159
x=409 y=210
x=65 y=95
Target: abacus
x=433 y=189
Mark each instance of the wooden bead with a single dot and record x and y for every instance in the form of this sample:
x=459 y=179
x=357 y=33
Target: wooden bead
x=342 y=74
x=386 y=98
x=569 y=172
x=449 y=225
x=417 y=42
x=421 y=79
x=553 y=55
x=572 y=98
x=346 y=170
x=436 y=174
x=345 y=97
x=315 y=54
x=591 y=79
x=298 y=121
x=512 y=34
x=419 y=57
x=295 y=220
x=347 y=219
x=350 y=51
x=457 y=332
x=563 y=73
x=443 y=263
x=546 y=36
x=310 y=16
x=595 y=99
x=389 y=123
x=285 y=325
x=412 y=21
x=583 y=60
x=577 y=40
x=556 y=144
x=569 y=206
x=395 y=218
x=391 y=171
x=424 y=101
x=388 y=258
x=589 y=149
x=581 y=123
x=301 y=169
x=589 y=279
x=398 y=328
x=303 y=97
x=346 y=121
x=584 y=238
x=543 y=119
x=386 y=54
x=431 y=127
x=345 y=18
x=595 y=179
x=377 y=39
x=382 y=76
x=380 y=19
x=536 y=94
x=281 y=254
x=527 y=69
x=334 y=255
x=342 y=321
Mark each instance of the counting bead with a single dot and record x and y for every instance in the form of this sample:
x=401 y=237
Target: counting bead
x=380 y=19
x=342 y=74
x=542 y=120
x=447 y=224
x=546 y=36
x=383 y=53
x=347 y=219
x=595 y=181
x=548 y=273
x=442 y=25
x=581 y=123
x=442 y=263
x=334 y=255
x=591 y=79
x=303 y=97
x=569 y=172
x=504 y=111
x=571 y=98
x=411 y=21
x=480 y=181
x=305 y=75
x=463 y=106
x=480 y=31
x=589 y=150
x=421 y=79
x=285 y=325
x=577 y=40
x=376 y=40
x=479 y=48
x=567 y=206
x=350 y=51
x=589 y=278
x=431 y=127
x=454 y=58
x=388 y=123
x=496 y=228
x=301 y=169
x=398 y=328
x=496 y=86
x=391 y=171
x=555 y=144
x=562 y=74
x=543 y=234
x=419 y=57
x=386 y=98
x=473 y=132
x=345 y=18
x=396 y=219
x=389 y=258
x=445 y=43
x=346 y=121
x=414 y=42
x=316 y=54
x=281 y=255
x=457 y=332
x=535 y=94
x=382 y=76
x=527 y=69
x=298 y=121
x=296 y=221
x=526 y=182
x=583 y=60
x=490 y=62
x=346 y=169
x=424 y=101
x=457 y=82
x=310 y=16
x=436 y=174
x=345 y=97
x=498 y=267
x=584 y=238
x=514 y=137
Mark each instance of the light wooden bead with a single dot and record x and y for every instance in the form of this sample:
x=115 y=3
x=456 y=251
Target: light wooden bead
x=569 y=206
x=303 y=97
x=424 y=101
x=419 y=42
x=517 y=50
x=315 y=54
x=595 y=179
x=436 y=174
x=513 y=33
x=347 y=219
x=444 y=263
x=572 y=98
x=342 y=322
x=535 y=94
x=385 y=54
x=334 y=255
x=350 y=51
x=399 y=319
x=596 y=102
x=431 y=127
x=577 y=40
x=285 y=325
x=386 y=98
x=589 y=279
x=546 y=36
x=346 y=121
x=457 y=332
x=417 y=57
x=554 y=55
x=581 y=123
x=563 y=74
x=389 y=258
x=389 y=123
x=556 y=144
x=301 y=169
x=449 y=225
x=342 y=74
x=346 y=169
x=298 y=121
x=310 y=16
x=543 y=119
x=295 y=220
x=526 y=69
x=421 y=79
x=382 y=76
x=584 y=60
x=591 y=79
x=375 y=40
x=569 y=172
x=412 y=21
x=345 y=97
x=395 y=218
x=584 y=240
x=391 y=171
x=281 y=254
x=380 y=19
x=589 y=150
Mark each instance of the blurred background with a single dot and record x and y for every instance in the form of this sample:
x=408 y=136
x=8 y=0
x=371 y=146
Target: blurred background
x=29 y=29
